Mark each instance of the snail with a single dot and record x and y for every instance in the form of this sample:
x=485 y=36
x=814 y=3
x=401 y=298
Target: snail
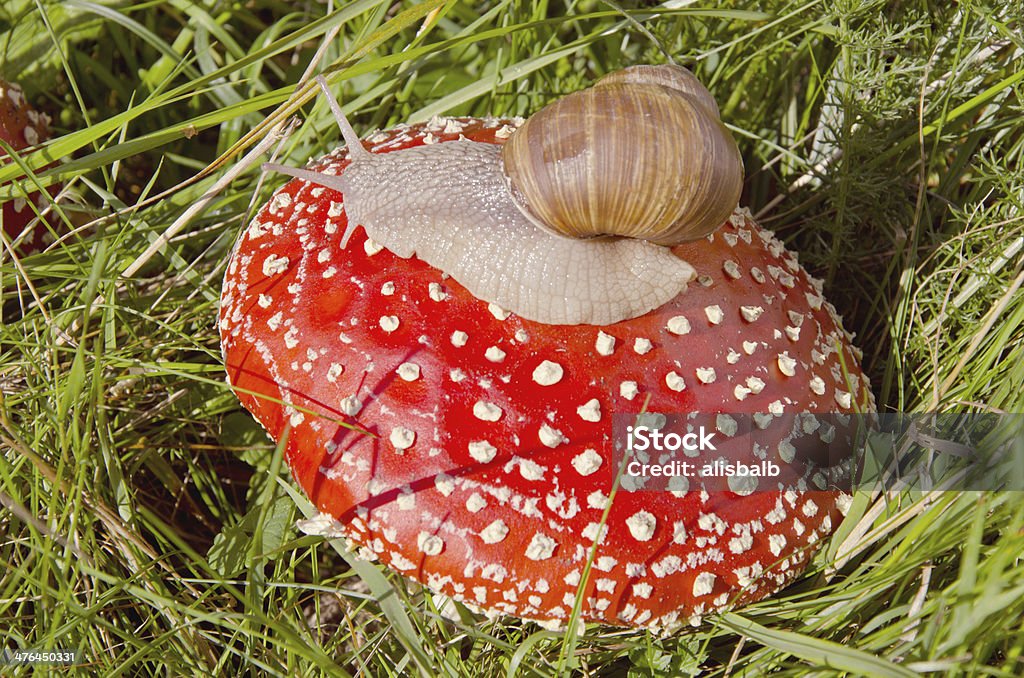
x=572 y=219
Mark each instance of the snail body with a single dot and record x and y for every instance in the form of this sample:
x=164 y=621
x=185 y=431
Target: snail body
x=485 y=215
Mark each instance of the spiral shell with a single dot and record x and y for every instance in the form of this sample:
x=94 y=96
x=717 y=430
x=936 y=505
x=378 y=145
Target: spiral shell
x=642 y=154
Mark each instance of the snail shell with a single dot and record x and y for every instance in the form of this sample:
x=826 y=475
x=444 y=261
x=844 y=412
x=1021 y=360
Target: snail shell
x=642 y=154
x=452 y=205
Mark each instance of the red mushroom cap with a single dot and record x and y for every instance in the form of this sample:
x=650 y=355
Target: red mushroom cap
x=22 y=127
x=471 y=450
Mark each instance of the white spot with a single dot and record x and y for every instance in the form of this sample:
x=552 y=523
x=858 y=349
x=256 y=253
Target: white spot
x=749 y=347
x=402 y=438
x=741 y=544
x=787 y=365
x=776 y=515
x=436 y=292
x=406 y=500
x=280 y=201
x=726 y=424
x=674 y=381
x=409 y=371
x=429 y=544
x=494 y=533
x=596 y=499
x=712 y=523
x=459 y=338
x=642 y=345
x=389 y=323
x=793 y=333
x=844 y=502
x=485 y=411
x=387 y=289
x=731 y=268
x=742 y=485
x=551 y=437
x=592 y=529
x=548 y=373
x=740 y=392
x=590 y=411
x=475 y=503
x=776 y=543
x=456 y=375
x=541 y=547
x=482 y=451
x=679 y=533
x=776 y=407
x=629 y=390
x=494 y=572
x=530 y=470
x=274 y=322
x=351 y=405
x=642 y=590
x=498 y=312
x=706 y=375
x=334 y=371
x=786 y=451
x=679 y=325
x=586 y=462
x=844 y=399
x=666 y=566
x=751 y=313
x=444 y=484
x=274 y=264
x=494 y=354
x=371 y=247
x=703 y=584
x=264 y=301
x=714 y=314
x=755 y=384
x=641 y=525
x=818 y=385
x=605 y=343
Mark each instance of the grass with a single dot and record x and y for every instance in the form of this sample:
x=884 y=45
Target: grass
x=146 y=521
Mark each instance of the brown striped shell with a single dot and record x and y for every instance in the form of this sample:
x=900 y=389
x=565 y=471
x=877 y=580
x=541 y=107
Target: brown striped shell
x=642 y=154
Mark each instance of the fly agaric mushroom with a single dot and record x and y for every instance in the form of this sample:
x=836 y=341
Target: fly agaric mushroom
x=22 y=127
x=470 y=448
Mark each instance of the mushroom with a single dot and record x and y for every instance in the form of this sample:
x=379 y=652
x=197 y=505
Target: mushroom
x=22 y=127
x=471 y=448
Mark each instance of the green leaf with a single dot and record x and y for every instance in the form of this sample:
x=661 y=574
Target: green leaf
x=816 y=651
